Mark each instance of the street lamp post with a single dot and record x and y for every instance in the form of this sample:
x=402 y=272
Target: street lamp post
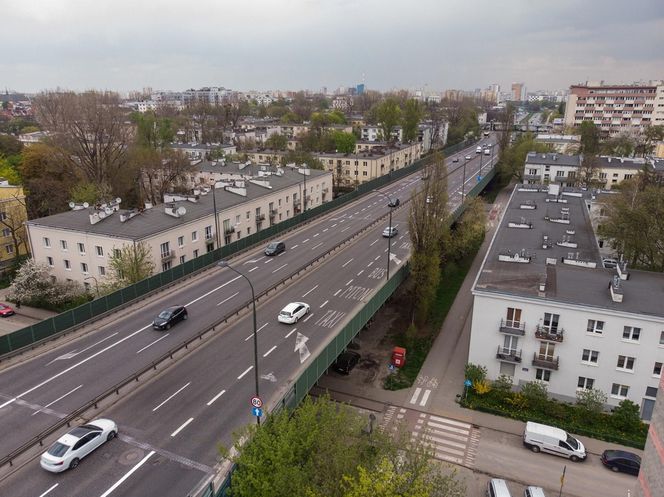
x=389 y=238
x=96 y=283
x=223 y=263
x=463 y=183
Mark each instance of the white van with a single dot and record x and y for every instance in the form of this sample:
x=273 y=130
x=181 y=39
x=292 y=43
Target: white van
x=538 y=437
x=478 y=150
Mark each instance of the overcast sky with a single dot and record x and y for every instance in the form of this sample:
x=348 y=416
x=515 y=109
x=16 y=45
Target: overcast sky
x=307 y=44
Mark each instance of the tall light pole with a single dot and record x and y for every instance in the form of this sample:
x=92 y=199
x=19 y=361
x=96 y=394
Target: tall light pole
x=216 y=216
x=96 y=283
x=463 y=183
x=223 y=263
x=391 y=205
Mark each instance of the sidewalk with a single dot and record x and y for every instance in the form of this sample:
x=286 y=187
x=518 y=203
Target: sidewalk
x=25 y=315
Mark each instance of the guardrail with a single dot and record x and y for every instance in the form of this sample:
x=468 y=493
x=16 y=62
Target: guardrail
x=72 y=320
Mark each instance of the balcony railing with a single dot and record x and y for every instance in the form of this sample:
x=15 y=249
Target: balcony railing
x=543 y=333
x=512 y=327
x=509 y=355
x=168 y=255
x=297 y=209
x=229 y=231
x=273 y=213
x=260 y=218
x=545 y=361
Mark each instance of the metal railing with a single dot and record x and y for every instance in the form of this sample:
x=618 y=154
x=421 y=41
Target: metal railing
x=512 y=327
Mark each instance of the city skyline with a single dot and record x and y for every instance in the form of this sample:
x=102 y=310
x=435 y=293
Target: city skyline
x=311 y=44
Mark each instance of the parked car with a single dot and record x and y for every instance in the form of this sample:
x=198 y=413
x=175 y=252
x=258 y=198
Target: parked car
x=394 y=203
x=275 y=248
x=621 y=460
x=292 y=312
x=389 y=232
x=538 y=437
x=533 y=492
x=345 y=363
x=6 y=311
x=609 y=263
x=170 y=316
x=497 y=488
x=70 y=448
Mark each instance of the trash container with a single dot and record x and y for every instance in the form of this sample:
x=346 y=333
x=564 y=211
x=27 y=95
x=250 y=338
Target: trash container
x=399 y=357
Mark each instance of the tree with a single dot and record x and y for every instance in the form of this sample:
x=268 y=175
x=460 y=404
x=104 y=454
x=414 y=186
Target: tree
x=300 y=157
x=626 y=416
x=130 y=264
x=590 y=138
x=621 y=145
x=587 y=174
x=513 y=158
x=13 y=220
x=344 y=142
x=277 y=141
x=591 y=401
x=9 y=145
x=161 y=172
x=412 y=115
x=388 y=115
x=646 y=140
x=152 y=131
x=9 y=172
x=469 y=232
x=33 y=285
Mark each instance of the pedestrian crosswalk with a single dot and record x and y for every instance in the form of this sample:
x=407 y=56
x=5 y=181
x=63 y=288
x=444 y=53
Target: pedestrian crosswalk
x=451 y=440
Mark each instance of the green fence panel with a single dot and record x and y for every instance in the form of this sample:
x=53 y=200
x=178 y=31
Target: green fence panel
x=5 y=348
x=64 y=320
x=114 y=299
x=99 y=306
x=21 y=338
x=82 y=313
x=44 y=329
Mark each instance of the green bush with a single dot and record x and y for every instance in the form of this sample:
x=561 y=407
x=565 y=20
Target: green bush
x=626 y=417
x=503 y=383
x=475 y=373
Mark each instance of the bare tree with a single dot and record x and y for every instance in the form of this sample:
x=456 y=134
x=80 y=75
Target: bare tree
x=161 y=172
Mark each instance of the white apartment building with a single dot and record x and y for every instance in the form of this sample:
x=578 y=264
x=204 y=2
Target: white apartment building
x=545 y=308
x=563 y=144
x=78 y=244
x=198 y=151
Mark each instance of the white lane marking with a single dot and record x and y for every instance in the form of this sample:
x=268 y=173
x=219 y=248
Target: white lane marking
x=333 y=225
x=360 y=272
x=59 y=398
x=323 y=304
x=280 y=267
x=268 y=261
x=245 y=372
x=356 y=213
x=325 y=230
x=129 y=473
x=259 y=329
x=305 y=241
x=337 y=292
x=316 y=235
x=253 y=261
x=450 y=421
x=316 y=246
x=182 y=427
x=294 y=246
x=309 y=291
x=252 y=269
x=213 y=290
x=308 y=317
x=347 y=262
x=369 y=265
x=346 y=228
x=227 y=299
x=216 y=397
x=269 y=351
x=425 y=397
x=73 y=366
x=42 y=495
x=153 y=410
x=291 y=332
x=416 y=394
x=74 y=353
x=372 y=243
x=152 y=343
x=349 y=282
x=377 y=257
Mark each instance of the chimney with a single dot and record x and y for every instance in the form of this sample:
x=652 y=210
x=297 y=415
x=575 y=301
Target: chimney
x=615 y=288
x=148 y=205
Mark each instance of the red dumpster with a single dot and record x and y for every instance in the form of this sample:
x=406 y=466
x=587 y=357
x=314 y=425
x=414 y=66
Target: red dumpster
x=399 y=357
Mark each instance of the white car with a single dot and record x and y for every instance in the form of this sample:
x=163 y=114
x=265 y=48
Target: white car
x=292 y=312
x=70 y=448
x=389 y=232
x=468 y=157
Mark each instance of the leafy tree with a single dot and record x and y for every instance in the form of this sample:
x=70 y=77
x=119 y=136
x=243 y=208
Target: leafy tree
x=33 y=285
x=130 y=264
x=300 y=157
x=152 y=131
x=646 y=140
x=344 y=142
x=587 y=174
x=503 y=383
x=462 y=118
x=87 y=192
x=277 y=141
x=470 y=230
x=475 y=372
x=290 y=118
x=412 y=115
x=590 y=137
x=388 y=114
x=591 y=401
x=535 y=393
x=513 y=158
x=9 y=172
x=9 y=145
x=626 y=416
x=621 y=145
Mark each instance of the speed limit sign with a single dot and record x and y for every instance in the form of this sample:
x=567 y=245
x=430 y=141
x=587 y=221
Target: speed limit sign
x=256 y=402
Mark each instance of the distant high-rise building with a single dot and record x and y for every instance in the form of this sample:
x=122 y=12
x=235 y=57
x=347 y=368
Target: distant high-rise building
x=518 y=92
x=360 y=89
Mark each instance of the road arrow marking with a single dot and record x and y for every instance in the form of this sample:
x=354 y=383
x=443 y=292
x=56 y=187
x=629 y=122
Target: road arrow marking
x=269 y=377
x=301 y=345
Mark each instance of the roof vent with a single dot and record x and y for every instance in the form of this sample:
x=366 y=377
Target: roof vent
x=615 y=288
x=148 y=205
x=174 y=211
x=127 y=215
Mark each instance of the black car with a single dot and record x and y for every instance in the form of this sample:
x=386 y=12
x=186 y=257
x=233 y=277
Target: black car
x=346 y=362
x=621 y=460
x=394 y=203
x=275 y=248
x=170 y=316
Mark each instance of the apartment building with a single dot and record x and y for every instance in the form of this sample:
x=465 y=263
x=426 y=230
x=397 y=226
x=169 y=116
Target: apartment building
x=564 y=169
x=616 y=108
x=651 y=476
x=563 y=144
x=13 y=238
x=199 y=151
x=78 y=244
x=545 y=308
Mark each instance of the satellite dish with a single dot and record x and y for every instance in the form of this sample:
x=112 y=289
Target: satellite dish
x=72 y=205
x=181 y=211
x=108 y=210
x=102 y=214
x=86 y=205
x=118 y=200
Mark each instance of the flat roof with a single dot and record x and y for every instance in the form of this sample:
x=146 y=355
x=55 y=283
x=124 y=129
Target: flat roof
x=154 y=220
x=643 y=291
x=552 y=159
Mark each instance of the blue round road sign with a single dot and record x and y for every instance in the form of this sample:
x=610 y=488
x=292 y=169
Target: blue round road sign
x=468 y=383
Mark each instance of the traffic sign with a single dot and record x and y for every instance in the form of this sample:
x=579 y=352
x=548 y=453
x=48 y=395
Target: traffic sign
x=467 y=383
x=257 y=411
x=256 y=402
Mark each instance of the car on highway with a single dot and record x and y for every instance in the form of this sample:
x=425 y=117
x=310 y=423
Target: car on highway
x=6 y=311
x=73 y=446
x=275 y=248
x=468 y=157
x=621 y=461
x=389 y=232
x=170 y=316
x=345 y=363
x=478 y=150
x=456 y=159
x=292 y=312
x=394 y=203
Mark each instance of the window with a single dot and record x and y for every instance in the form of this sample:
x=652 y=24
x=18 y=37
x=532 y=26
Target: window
x=101 y=270
x=194 y=236
x=116 y=252
x=551 y=322
x=586 y=383
x=542 y=374
x=248 y=215
x=84 y=267
x=182 y=259
x=47 y=242
x=513 y=317
x=631 y=333
x=165 y=266
x=237 y=218
x=49 y=261
x=661 y=337
x=619 y=391
x=657 y=370
x=6 y=232
x=590 y=356
x=180 y=241
x=595 y=327
x=626 y=363
x=99 y=250
x=208 y=232
x=81 y=248
x=9 y=249
x=165 y=250
x=63 y=244
x=195 y=253
x=67 y=265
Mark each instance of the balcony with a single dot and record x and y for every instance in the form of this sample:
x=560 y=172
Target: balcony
x=512 y=327
x=545 y=361
x=229 y=231
x=273 y=213
x=533 y=177
x=543 y=333
x=508 y=355
x=561 y=179
x=260 y=218
x=297 y=209
x=167 y=256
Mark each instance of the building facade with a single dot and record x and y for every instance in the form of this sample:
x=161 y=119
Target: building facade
x=545 y=308
x=13 y=214
x=651 y=476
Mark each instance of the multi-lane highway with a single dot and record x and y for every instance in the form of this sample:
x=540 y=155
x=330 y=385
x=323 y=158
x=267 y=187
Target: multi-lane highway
x=170 y=426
